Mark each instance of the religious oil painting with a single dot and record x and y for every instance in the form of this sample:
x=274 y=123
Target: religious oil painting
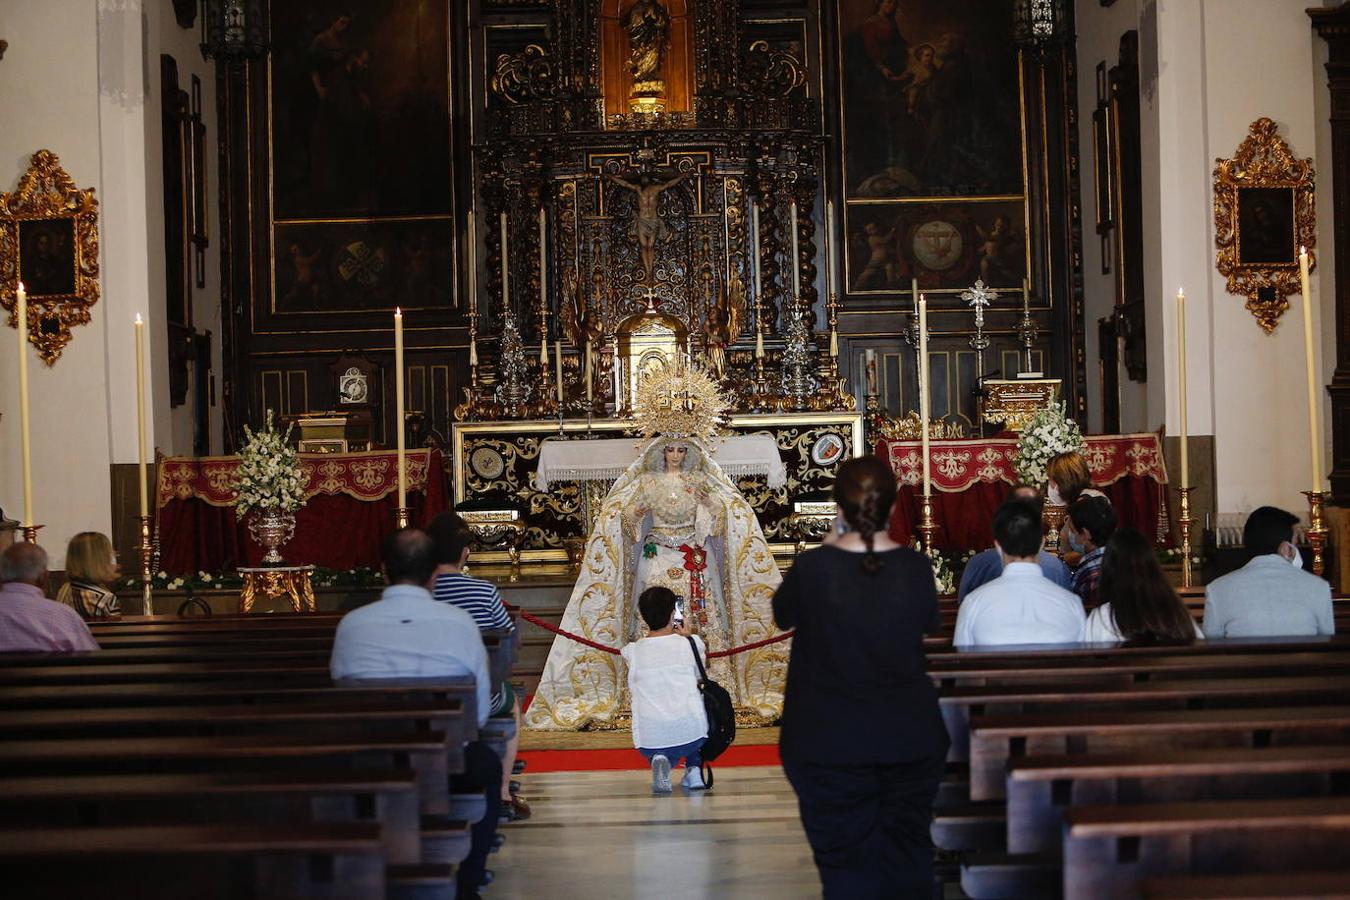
x=1266 y=226
x=47 y=257
x=360 y=266
x=360 y=121
x=945 y=246
x=931 y=99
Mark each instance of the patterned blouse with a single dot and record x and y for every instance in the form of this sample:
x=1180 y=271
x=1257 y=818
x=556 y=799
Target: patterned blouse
x=91 y=601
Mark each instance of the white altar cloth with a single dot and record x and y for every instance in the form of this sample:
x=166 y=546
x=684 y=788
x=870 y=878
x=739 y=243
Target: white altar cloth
x=606 y=460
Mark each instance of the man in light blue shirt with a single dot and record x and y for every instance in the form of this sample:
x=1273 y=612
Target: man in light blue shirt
x=407 y=634
x=1271 y=595
x=1021 y=606
x=987 y=565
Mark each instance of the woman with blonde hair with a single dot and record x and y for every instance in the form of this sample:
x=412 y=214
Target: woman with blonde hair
x=91 y=569
x=1069 y=478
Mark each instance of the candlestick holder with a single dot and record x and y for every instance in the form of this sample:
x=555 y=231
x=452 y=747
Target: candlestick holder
x=1317 y=529
x=30 y=532
x=1027 y=331
x=927 y=525
x=402 y=516
x=760 y=399
x=1184 y=521
x=832 y=357
x=1052 y=517
x=147 y=568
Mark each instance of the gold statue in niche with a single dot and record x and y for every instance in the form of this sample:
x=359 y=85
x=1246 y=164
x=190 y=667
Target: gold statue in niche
x=648 y=27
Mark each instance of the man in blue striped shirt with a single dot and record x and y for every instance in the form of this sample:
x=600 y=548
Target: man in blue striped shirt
x=480 y=599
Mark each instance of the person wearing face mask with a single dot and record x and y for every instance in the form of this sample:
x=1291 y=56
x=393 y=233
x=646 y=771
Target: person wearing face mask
x=1271 y=595
x=1091 y=524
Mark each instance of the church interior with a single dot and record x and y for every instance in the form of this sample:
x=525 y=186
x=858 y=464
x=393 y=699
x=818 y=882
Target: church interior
x=622 y=299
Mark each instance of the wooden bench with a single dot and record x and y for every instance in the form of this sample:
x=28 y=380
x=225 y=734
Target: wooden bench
x=1109 y=850
x=1282 y=885
x=205 y=862
x=1041 y=788
x=997 y=739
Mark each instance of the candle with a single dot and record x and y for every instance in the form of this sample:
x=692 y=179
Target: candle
x=506 y=284
x=754 y=240
x=139 y=332
x=557 y=347
x=614 y=372
x=796 y=288
x=1316 y=437
x=914 y=293
x=398 y=408
x=21 y=310
x=832 y=279
x=1181 y=389
x=870 y=371
x=923 y=392
x=543 y=291
x=473 y=261
x=589 y=389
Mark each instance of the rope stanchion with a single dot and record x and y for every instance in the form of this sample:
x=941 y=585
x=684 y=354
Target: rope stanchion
x=535 y=620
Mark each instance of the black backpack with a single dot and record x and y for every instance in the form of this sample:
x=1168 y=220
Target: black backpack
x=721 y=715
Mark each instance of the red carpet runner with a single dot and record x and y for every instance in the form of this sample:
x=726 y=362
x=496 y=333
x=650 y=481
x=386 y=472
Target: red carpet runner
x=609 y=760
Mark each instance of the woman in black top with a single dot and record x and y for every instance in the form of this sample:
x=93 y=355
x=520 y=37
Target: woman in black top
x=863 y=741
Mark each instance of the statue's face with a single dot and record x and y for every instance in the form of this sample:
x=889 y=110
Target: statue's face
x=674 y=456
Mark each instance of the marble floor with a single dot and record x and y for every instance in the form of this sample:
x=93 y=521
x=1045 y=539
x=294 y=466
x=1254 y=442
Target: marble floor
x=605 y=836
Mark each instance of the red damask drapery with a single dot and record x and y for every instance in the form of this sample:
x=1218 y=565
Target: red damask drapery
x=352 y=501
x=972 y=477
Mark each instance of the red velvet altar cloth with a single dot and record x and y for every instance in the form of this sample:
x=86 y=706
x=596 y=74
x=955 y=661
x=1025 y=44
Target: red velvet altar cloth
x=972 y=477
x=352 y=503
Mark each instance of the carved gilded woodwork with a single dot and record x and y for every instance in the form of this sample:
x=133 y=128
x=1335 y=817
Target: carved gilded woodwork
x=49 y=240
x=1263 y=212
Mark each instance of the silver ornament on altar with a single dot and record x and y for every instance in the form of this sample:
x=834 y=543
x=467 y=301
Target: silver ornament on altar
x=799 y=379
x=273 y=530
x=513 y=379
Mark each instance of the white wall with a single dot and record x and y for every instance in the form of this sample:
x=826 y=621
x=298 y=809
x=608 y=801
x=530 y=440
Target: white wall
x=81 y=78
x=1216 y=72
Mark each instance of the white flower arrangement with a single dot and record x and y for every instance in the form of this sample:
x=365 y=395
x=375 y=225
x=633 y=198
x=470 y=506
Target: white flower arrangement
x=269 y=476
x=1046 y=435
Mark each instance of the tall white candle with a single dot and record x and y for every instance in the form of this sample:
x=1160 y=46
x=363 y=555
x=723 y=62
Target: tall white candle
x=1026 y=296
x=21 y=310
x=506 y=282
x=924 y=392
x=831 y=279
x=589 y=370
x=1181 y=390
x=557 y=350
x=796 y=288
x=543 y=291
x=139 y=332
x=754 y=242
x=1315 y=434
x=472 y=260
x=398 y=409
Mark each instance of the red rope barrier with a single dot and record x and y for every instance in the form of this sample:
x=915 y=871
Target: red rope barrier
x=535 y=620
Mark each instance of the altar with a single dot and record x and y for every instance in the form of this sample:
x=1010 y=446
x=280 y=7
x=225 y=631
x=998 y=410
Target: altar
x=972 y=477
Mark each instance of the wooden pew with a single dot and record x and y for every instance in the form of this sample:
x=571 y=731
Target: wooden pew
x=1109 y=850
x=997 y=739
x=205 y=862
x=1041 y=788
x=387 y=798
x=1282 y=885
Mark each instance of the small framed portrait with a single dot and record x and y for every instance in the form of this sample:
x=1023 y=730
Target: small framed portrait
x=47 y=257
x=1266 y=226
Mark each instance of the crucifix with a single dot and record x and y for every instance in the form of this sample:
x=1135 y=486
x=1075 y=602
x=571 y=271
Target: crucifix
x=979 y=297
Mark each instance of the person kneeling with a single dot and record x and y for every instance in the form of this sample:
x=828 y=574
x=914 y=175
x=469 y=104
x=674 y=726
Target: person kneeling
x=669 y=721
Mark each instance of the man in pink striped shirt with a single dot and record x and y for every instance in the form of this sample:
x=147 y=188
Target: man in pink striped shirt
x=29 y=622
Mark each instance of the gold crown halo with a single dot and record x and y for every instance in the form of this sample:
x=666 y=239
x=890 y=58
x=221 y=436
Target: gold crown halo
x=684 y=402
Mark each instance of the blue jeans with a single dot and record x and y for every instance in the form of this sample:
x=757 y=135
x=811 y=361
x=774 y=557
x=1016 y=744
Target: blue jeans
x=688 y=752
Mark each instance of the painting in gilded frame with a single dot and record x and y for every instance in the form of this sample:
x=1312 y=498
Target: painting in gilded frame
x=360 y=156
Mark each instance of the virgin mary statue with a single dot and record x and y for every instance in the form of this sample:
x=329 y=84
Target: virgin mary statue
x=674 y=519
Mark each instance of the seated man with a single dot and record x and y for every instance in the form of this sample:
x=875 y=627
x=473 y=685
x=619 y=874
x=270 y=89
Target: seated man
x=1021 y=606
x=1091 y=521
x=1271 y=595
x=406 y=634
x=480 y=599
x=29 y=622
x=987 y=565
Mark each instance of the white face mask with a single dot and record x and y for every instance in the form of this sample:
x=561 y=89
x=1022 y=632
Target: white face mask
x=1297 y=559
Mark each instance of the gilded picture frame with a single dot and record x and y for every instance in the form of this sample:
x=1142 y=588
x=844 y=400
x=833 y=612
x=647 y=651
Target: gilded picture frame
x=49 y=241
x=1264 y=211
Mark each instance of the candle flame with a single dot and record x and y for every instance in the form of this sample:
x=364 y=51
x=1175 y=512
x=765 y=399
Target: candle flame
x=138 y=318
x=1180 y=292
x=21 y=288
x=1302 y=250
x=398 y=312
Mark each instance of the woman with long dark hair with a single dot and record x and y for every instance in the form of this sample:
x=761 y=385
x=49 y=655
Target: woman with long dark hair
x=863 y=741
x=1138 y=604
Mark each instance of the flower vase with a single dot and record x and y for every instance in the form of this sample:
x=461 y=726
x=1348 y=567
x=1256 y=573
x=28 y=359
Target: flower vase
x=273 y=530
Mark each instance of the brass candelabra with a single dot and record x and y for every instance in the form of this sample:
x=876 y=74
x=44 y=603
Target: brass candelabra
x=1317 y=529
x=927 y=525
x=1184 y=521
x=147 y=569
x=402 y=516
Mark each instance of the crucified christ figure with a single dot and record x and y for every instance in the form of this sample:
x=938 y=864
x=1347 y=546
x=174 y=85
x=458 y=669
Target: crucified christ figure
x=648 y=227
